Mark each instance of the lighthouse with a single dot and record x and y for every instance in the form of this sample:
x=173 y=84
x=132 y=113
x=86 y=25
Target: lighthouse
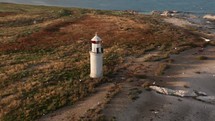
x=96 y=58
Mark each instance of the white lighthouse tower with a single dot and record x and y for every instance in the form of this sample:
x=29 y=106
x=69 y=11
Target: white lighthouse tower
x=96 y=58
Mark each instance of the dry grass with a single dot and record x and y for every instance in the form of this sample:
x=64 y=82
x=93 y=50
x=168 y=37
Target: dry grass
x=212 y=43
x=202 y=58
x=45 y=65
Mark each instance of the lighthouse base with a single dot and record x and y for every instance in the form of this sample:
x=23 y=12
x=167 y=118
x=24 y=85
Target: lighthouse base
x=96 y=65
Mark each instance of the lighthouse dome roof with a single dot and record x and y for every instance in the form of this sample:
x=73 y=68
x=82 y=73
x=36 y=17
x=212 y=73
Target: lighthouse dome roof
x=96 y=38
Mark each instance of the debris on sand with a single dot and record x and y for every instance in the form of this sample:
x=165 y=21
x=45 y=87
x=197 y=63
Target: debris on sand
x=208 y=99
x=209 y=17
x=180 y=93
x=199 y=93
x=206 y=40
x=154 y=111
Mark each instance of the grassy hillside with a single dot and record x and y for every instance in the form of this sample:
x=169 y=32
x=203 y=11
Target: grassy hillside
x=44 y=53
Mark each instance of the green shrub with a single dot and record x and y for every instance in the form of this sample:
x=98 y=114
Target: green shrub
x=64 y=12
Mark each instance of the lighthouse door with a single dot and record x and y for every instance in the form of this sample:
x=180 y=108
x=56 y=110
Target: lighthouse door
x=97 y=50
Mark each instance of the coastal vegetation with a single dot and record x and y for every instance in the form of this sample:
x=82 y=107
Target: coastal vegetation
x=44 y=53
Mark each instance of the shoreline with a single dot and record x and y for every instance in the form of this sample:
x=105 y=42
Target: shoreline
x=139 y=11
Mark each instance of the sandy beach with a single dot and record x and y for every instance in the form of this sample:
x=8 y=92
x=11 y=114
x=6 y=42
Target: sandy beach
x=182 y=74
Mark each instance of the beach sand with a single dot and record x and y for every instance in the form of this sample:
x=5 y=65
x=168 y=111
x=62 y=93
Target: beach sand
x=186 y=73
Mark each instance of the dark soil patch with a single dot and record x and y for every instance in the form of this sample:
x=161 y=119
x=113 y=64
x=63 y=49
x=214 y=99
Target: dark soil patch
x=3 y=14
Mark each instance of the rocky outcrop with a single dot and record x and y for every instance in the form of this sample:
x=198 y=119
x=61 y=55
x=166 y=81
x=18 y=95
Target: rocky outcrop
x=209 y=17
x=131 y=12
x=169 y=13
x=156 y=12
x=164 y=13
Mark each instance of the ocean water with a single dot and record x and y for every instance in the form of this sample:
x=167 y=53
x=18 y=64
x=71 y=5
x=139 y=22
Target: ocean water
x=193 y=6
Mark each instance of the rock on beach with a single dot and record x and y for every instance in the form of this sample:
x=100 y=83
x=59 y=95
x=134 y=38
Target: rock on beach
x=209 y=17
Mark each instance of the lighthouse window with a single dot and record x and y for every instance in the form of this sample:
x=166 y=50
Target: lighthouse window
x=97 y=50
x=102 y=50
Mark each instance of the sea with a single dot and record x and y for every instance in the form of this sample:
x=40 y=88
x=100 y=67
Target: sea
x=144 y=6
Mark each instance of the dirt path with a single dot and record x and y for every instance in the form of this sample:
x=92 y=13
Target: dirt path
x=72 y=113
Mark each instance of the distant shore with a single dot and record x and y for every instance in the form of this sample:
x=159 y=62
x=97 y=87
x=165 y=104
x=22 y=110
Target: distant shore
x=193 y=7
